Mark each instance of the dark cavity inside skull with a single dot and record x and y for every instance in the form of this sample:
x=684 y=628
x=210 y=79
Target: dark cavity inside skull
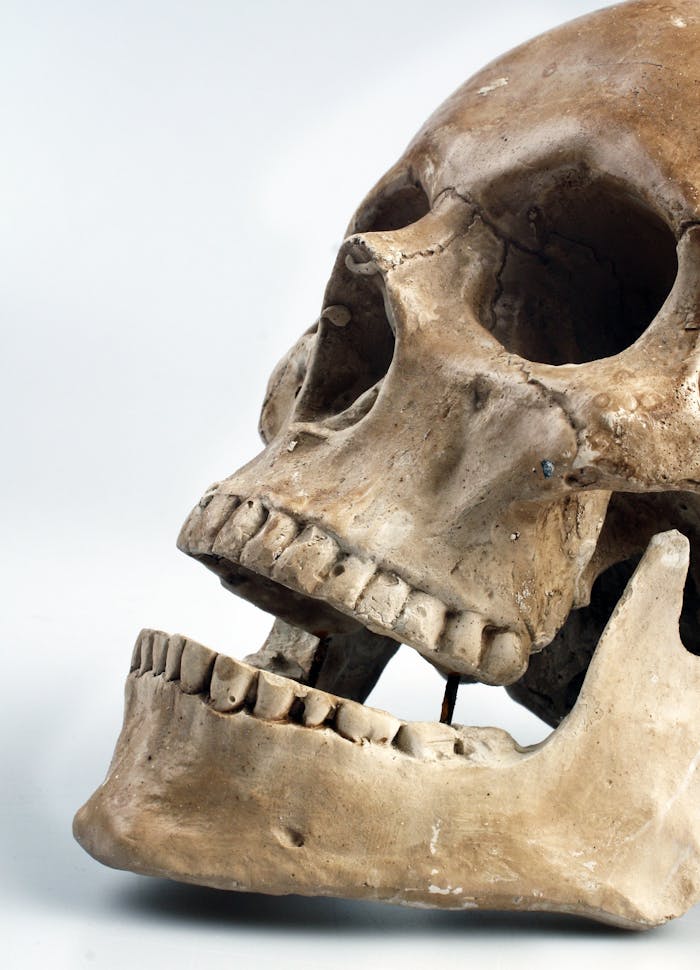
x=498 y=406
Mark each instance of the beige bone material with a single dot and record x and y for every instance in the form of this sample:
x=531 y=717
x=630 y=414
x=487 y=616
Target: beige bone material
x=487 y=448
x=600 y=819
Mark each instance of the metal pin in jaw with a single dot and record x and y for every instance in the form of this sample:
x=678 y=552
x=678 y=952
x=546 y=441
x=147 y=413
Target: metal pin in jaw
x=450 y=698
x=338 y=315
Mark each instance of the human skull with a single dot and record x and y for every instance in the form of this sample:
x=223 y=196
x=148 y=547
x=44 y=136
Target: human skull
x=495 y=414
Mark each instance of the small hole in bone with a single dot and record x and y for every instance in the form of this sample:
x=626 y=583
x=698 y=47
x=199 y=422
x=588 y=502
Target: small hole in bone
x=290 y=837
x=338 y=570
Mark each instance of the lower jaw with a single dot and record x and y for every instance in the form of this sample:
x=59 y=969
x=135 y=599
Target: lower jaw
x=235 y=778
x=361 y=806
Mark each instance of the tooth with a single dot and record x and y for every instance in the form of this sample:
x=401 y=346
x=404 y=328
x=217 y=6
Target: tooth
x=176 y=645
x=487 y=746
x=275 y=696
x=461 y=644
x=359 y=723
x=160 y=652
x=261 y=552
x=146 y=652
x=240 y=528
x=136 y=655
x=382 y=601
x=230 y=684
x=203 y=525
x=505 y=658
x=427 y=740
x=346 y=581
x=421 y=621
x=383 y=728
x=317 y=707
x=307 y=561
x=196 y=667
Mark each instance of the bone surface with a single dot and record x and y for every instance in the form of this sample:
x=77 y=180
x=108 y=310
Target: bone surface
x=241 y=819
x=487 y=448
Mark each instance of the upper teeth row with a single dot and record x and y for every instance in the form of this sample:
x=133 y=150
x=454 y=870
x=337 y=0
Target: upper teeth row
x=232 y=686
x=304 y=558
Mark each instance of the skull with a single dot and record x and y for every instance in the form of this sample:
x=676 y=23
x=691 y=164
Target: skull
x=495 y=415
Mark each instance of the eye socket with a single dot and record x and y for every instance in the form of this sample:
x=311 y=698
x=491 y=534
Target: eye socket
x=395 y=208
x=587 y=269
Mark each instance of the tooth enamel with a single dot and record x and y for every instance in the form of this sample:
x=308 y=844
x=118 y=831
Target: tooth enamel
x=146 y=652
x=421 y=621
x=426 y=740
x=307 y=561
x=505 y=658
x=346 y=581
x=382 y=601
x=196 y=667
x=383 y=727
x=160 y=652
x=241 y=526
x=275 y=696
x=176 y=644
x=358 y=723
x=317 y=707
x=487 y=746
x=230 y=684
x=209 y=495
x=461 y=643
x=203 y=525
x=136 y=655
x=264 y=549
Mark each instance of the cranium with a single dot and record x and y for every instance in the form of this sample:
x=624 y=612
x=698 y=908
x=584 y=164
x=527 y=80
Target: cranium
x=494 y=417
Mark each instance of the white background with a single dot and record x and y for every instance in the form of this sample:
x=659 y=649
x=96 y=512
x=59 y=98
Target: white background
x=175 y=178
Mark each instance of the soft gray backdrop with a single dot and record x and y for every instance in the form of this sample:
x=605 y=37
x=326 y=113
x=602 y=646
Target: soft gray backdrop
x=175 y=178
